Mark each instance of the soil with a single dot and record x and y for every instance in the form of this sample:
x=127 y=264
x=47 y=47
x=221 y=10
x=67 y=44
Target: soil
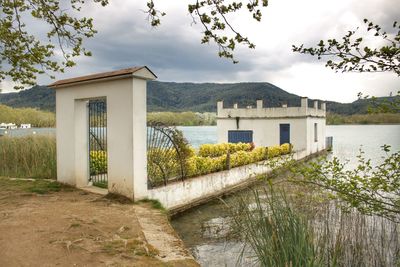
x=43 y=223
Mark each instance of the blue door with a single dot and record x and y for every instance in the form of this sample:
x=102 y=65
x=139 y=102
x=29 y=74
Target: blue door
x=284 y=130
x=240 y=136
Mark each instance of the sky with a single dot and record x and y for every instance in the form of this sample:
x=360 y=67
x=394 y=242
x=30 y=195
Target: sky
x=174 y=53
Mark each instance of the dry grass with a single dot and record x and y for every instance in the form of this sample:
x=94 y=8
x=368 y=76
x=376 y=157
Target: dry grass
x=28 y=157
x=37 y=118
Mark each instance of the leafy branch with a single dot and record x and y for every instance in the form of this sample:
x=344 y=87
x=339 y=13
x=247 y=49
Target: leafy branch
x=350 y=55
x=371 y=190
x=213 y=17
x=23 y=56
x=376 y=105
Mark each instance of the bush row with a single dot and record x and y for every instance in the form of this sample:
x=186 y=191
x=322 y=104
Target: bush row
x=199 y=165
x=216 y=150
x=196 y=164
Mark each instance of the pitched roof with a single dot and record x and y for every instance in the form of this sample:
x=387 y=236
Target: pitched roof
x=99 y=76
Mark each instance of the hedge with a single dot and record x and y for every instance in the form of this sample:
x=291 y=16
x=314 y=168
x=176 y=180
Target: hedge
x=200 y=165
x=216 y=150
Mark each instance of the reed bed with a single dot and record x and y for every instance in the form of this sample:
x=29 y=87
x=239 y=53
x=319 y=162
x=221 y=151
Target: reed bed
x=279 y=233
x=38 y=118
x=28 y=157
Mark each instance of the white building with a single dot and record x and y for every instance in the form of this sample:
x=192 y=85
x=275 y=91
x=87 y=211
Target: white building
x=9 y=126
x=303 y=127
x=26 y=126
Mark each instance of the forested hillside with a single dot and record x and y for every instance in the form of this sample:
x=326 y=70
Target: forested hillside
x=199 y=97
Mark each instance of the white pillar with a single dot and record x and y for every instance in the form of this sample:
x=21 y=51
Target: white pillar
x=304 y=105
x=316 y=104
x=259 y=104
x=139 y=140
x=81 y=143
x=220 y=107
x=323 y=106
x=235 y=106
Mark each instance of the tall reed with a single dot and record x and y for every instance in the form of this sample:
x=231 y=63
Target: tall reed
x=277 y=234
x=38 y=118
x=28 y=157
x=281 y=232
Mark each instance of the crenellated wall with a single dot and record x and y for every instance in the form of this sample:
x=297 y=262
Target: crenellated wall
x=271 y=113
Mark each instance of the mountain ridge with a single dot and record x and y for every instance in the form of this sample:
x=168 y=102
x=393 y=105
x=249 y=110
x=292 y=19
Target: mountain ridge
x=188 y=96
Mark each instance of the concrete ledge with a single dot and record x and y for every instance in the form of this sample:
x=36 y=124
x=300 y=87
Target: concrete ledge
x=95 y=190
x=184 y=194
x=204 y=199
x=180 y=196
x=232 y=189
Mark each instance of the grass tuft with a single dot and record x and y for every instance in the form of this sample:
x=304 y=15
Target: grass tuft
x=37 y=186
x=155 y=204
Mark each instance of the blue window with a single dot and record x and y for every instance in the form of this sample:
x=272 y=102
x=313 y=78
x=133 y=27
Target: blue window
x=284 y=130
x=240 y=136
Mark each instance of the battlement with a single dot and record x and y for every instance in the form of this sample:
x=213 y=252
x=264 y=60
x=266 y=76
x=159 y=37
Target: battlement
x=280 y=112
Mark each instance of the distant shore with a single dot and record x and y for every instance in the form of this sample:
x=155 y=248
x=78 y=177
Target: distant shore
x=43 y=119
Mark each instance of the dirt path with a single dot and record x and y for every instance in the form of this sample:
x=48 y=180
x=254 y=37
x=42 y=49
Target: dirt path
x=45 y=224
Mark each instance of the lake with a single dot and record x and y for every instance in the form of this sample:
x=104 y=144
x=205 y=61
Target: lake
x=203 y=229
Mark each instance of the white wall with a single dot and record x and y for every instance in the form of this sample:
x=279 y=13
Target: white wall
x=266 y=131
x=313 y=146
x=195 y=189
x=126 y=134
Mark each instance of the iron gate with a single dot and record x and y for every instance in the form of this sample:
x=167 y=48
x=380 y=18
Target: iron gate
x=98 y=142
x=167 y=154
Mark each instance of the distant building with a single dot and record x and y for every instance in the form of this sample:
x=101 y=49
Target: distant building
x=25 y=126
x=9 y=126
x=303 y=127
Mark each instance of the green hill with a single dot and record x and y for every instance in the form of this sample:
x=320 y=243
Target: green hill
x=39 y=97
x=200 y=97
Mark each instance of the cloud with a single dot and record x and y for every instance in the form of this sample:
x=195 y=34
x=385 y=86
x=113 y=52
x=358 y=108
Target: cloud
x=173 y=51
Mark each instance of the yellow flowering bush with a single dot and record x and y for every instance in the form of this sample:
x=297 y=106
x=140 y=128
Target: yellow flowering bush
x=203 y=165
x=259 y=154
x=240 y=158
x=98 y=162
x=274 y=151
x=209 y=159
x=216 y=150
x=285 y=149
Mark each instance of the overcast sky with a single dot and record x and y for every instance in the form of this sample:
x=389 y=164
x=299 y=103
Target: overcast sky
x=173 y=50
